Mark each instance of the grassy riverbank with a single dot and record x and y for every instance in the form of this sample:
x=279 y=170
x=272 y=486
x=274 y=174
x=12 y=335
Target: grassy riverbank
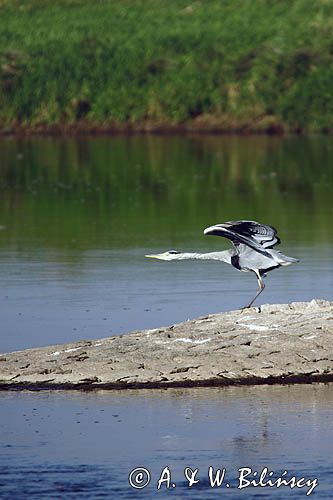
x=148 y=64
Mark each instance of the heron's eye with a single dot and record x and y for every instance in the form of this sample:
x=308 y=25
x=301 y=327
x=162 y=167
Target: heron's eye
x=173 y=251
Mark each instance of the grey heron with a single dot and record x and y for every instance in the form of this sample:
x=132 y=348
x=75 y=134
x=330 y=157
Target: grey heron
x=252 y=250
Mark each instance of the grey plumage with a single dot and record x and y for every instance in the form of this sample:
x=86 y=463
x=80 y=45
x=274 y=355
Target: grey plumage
x=252 y=249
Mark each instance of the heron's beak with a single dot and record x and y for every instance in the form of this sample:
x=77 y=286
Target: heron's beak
x=157 y=256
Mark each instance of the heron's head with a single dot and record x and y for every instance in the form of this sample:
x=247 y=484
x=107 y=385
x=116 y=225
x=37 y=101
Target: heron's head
x=169 y=255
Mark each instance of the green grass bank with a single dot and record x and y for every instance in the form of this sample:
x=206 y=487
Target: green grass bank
x=214 y=65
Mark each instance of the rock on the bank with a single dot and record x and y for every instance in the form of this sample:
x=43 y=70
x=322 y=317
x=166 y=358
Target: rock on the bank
x=275 y=344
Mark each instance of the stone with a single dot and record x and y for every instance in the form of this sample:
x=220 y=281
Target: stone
x=278 y=343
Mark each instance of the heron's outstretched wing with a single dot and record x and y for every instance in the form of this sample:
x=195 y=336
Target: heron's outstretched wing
x=251 y=233
x=263 y=234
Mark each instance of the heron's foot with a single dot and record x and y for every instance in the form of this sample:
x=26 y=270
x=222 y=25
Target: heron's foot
x=245 y=308
x=257 y=309
x=248 y=305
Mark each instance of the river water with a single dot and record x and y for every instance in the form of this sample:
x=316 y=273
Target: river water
x=84 y=445
x=77 y=217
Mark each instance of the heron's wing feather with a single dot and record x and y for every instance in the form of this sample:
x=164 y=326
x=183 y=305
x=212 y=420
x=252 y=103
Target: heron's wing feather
x=237 y=239
x=261 y=234
x=257 y=236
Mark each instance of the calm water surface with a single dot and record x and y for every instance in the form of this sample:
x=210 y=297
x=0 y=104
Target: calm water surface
x=76 y=445
x=76 y=218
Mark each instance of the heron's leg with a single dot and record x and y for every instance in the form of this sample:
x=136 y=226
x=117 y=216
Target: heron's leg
x=261 y=287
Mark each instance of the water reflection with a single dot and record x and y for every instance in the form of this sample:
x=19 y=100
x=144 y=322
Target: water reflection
x=92 y=192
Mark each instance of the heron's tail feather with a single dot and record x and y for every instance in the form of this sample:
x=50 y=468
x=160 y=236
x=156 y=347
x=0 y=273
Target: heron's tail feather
x=284 y=260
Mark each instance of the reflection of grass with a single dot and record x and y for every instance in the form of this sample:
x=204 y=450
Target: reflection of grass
x=216 y=63
x=91 y=193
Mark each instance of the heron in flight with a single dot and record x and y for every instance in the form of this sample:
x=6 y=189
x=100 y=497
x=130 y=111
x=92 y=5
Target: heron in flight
x=252 y=250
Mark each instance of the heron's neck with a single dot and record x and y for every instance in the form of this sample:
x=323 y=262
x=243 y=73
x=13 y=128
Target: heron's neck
x=224 y=256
